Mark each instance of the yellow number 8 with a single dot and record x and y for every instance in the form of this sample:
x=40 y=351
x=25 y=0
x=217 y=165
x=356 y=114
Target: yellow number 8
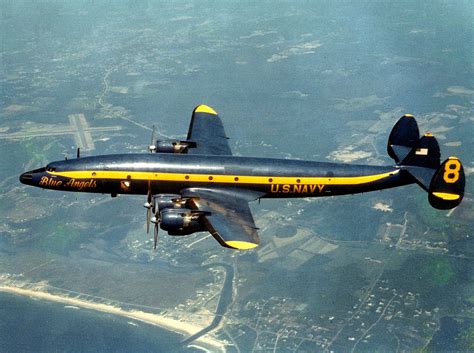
x=451 y=171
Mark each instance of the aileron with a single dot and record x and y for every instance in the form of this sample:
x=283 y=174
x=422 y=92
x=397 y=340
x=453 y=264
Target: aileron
x=228 y=217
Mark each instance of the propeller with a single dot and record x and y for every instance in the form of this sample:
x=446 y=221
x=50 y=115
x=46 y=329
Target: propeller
x=155 y=220
x=155 y=237
x=148 y=205
x=150 y=201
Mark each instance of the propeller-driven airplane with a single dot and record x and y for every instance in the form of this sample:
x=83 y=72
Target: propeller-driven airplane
x=197 y=184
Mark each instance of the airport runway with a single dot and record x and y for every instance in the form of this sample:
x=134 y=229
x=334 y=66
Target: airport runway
x=78 y=127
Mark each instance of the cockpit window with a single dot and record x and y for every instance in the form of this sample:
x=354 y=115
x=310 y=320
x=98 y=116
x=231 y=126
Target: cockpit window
x=39 y=170
x=50 y=169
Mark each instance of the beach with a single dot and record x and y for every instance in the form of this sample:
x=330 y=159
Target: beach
x=207 y=343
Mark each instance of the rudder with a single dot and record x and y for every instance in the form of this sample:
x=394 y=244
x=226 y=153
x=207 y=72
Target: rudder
x=425 y=153
x=422 y=161
x=403 y=137
x=447 y=186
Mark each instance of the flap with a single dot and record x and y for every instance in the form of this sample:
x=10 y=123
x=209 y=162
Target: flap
x=228 y=217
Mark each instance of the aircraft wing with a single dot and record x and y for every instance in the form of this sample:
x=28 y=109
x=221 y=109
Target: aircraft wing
x=227 y=215
x=207 y=131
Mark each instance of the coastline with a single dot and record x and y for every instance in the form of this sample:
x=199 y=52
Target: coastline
x=176 y=326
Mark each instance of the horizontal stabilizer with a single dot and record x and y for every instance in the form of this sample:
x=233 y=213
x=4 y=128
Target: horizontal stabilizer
x=422 y=176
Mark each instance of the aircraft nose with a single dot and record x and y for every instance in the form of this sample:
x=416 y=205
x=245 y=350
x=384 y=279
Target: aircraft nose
x=26 y=178
x=31 y=177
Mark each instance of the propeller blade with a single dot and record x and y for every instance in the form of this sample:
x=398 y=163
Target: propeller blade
x=153 y=135
x=152 y=146
x=155 y=236
x=149 y=196
x=148 y=217
x=148 y=207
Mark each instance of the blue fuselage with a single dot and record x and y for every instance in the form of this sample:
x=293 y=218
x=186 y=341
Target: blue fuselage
x=171 y=173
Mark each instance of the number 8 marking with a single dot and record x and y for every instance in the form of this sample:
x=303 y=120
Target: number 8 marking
x=451 y=171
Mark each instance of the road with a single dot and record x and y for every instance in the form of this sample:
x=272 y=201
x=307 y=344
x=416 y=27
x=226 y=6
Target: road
x=224 y=301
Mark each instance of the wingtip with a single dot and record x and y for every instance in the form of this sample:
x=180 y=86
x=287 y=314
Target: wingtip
x=205 y=109
x=241 y=245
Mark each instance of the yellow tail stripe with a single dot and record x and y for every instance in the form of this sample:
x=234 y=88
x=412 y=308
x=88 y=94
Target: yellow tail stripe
x=446 y=196
x=213 y=178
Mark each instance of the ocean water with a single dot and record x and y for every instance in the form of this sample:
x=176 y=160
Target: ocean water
x=29 y=325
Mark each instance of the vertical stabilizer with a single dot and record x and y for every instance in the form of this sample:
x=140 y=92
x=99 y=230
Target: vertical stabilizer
x=447 y=186
x=424 y=154
x=404 y=136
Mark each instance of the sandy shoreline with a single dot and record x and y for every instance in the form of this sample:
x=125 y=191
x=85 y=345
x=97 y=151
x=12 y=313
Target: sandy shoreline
x=183 y=328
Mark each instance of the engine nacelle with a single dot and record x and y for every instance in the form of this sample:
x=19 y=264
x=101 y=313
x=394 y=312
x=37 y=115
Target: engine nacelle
x=180 y=221
x=163 y=201
x=172 y=146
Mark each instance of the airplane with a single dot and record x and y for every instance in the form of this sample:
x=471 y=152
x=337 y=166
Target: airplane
x=197 y=185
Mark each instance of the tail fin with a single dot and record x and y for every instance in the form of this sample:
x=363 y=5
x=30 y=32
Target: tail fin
x=403 y=138
x=420 y=157
x=425 y=153
x=447 y=186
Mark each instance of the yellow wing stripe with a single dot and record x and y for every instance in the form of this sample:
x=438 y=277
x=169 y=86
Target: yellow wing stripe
x=241 y=245
x=447 y=196
x=205 y=109
x=219 y=179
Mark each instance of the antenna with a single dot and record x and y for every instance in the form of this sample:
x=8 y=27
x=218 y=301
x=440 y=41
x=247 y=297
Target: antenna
x=78 y=153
